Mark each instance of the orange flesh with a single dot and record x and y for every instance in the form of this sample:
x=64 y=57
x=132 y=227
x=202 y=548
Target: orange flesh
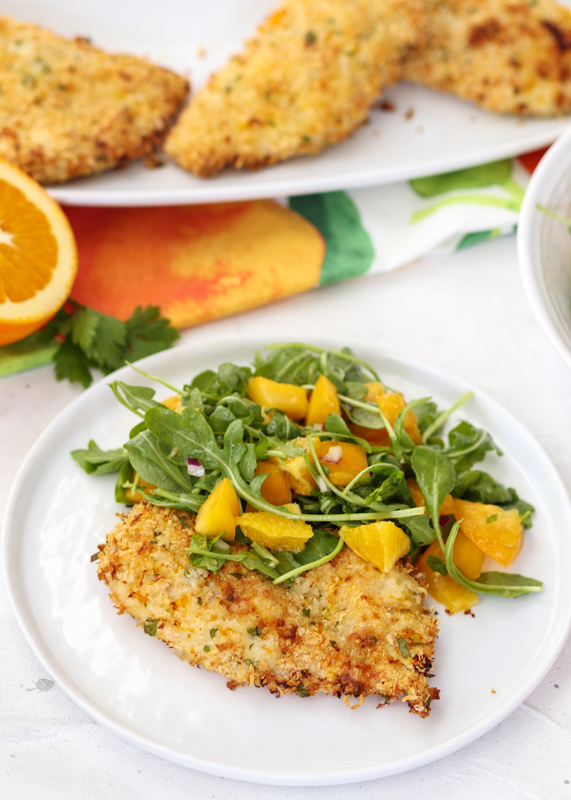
x=27 y=263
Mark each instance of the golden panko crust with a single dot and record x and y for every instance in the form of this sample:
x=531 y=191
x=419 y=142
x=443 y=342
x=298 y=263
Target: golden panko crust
x=306 y=80
x=344 y=628
x=68 y=109
x=511 y=56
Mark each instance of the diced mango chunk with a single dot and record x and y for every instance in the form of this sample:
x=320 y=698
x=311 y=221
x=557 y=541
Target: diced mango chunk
x=286 y=397
x=443 y=588
x=381 y=543
x=219 y=512
x=467 y=557
x=447 y=507
x=323 y=401
x=345 y=460
x=298 y=476
x=391 y=404
x=276 y=533
x=275 y=489
x=374 y=389
x=496 y=531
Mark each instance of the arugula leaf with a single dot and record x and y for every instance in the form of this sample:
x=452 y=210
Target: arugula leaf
x=282 y=427
x=470 y=443
x=420 y=530
x=436 y=478
x=480 y=487
x=508 y=584
x=336 y=424
x=124 y=476
x=153 y=466
x=100 y=462
x=321 y=544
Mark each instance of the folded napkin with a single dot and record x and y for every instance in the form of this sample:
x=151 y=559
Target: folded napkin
x=202 y=262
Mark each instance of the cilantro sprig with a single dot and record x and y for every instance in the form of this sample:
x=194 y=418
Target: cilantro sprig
x=79 y=339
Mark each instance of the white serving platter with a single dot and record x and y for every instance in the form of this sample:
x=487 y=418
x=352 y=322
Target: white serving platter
x=427 y=133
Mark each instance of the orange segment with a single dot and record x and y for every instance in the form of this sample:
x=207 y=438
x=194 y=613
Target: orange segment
x=277 y=533
x=38 y=258
x=496 y=531
x=382 y=543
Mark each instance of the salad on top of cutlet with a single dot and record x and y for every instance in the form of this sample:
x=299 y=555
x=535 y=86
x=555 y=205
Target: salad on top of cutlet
x=306 y=452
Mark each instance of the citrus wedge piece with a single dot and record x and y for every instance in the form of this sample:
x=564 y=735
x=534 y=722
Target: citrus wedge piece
x=38 y=257
x=277 y=533
x=380 y=543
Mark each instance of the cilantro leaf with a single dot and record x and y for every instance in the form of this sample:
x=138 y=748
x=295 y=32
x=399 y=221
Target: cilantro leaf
x=79 y=339
x=72 y=364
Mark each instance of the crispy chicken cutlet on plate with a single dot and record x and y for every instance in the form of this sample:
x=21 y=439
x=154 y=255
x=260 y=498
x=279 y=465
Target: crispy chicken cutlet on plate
x=306 y=80
x=511 y=56
x=68 y=109
x=344 y=628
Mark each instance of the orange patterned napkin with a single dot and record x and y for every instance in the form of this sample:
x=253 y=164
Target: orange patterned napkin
x=195 y=262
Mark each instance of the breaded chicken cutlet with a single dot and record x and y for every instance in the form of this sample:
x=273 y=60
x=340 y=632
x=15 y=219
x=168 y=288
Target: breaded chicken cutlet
x=305 y=81
x=343 y=628
x=68 y=109
x=510 y=56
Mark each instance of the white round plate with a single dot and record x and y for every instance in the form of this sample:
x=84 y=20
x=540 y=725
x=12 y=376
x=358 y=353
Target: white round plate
x=427 y=133
x=485 y=666
x=544 y=245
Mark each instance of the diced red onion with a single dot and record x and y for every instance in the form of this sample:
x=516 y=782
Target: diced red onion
x=323 y=487
x=333 y=455
x=444 y=519
x=194 y=467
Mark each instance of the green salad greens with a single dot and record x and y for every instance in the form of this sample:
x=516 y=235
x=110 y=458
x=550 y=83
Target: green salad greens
x=221 y=433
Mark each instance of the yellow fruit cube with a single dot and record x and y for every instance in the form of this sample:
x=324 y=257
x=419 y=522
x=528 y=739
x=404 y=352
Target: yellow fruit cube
x=374 y=389
x=345 y=460
x=391 y=404
x=286 y=397
x=219 y=512
x=299 y=477
x=323 y=401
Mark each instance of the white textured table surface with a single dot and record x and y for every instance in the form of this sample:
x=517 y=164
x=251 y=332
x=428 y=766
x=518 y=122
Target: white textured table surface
x=466 y=314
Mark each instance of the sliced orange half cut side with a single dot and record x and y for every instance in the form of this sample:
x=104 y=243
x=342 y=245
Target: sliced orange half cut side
x=38 y=257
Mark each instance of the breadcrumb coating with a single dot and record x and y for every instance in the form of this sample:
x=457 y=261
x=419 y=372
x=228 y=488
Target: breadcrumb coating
x=511 y=56
x=68 y=109
x=306 y=80
x=344 y=628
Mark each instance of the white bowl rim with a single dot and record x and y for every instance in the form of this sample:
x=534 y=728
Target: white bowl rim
x=543 y=181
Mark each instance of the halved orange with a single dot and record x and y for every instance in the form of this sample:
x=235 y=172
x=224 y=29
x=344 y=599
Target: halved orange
x=38 y=256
